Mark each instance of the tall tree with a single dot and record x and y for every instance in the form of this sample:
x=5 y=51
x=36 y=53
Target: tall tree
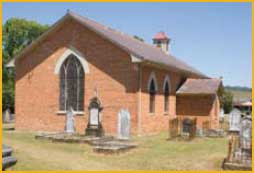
x=17 y=34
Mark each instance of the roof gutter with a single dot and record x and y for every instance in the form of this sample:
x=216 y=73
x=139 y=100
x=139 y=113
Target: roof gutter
x=174 y=69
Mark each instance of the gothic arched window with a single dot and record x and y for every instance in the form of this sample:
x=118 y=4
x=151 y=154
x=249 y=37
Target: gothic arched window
x=166 y=97
x=166 y=91
x=71 y=84
x=152 y=93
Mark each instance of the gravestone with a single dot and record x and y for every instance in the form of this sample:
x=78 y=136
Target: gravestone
x=70 y=121
x=124 y=124
x=243 y=153
x=7 y=116
x=187 y=125
x=234 y=120
x=188 y=128
x=173 y=128
x=94 y=118
x=94 y=126
x=240 y=147
x=245 y=133
x=222 y=114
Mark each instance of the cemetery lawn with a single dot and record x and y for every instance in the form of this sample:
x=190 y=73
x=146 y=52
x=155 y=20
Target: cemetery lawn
x=153 y=153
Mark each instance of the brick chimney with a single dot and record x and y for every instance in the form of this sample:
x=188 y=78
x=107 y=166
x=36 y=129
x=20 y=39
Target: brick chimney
x=161 y=40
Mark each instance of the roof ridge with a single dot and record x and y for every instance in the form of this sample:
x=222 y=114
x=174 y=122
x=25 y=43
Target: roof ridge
x=117 y=31
x=131 y=37
x=128 y=43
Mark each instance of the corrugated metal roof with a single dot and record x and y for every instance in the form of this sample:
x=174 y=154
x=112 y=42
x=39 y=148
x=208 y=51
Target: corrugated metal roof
x=200 y=86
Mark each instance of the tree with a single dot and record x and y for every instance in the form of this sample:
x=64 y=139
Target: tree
x=138 y=38
x=17 y=34
x=226 y=100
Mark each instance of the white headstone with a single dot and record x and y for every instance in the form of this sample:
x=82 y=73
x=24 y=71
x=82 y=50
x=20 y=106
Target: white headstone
x=124 y=124
x=94 y=116
x=221 y=113
x=70 y=121
x=234 y=120
x=7 y=116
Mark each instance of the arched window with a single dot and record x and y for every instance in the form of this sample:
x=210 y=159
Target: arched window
x=166 y=91
x=166 y=97
x=152 y=88
x=152 y=93
x=71 y=84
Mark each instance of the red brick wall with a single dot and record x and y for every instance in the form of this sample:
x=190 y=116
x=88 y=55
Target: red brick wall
x=204 y=108
x=158 y=121
x=111 y=71
x=37 y=87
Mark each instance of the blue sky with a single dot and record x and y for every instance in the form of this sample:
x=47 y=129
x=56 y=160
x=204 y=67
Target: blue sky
x=213 y=37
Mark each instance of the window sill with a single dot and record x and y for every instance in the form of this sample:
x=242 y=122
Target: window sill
x=151 y=114
x=78 y=113
x=166 y=113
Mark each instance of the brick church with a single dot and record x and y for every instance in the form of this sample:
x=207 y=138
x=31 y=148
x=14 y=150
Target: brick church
x=77 y=56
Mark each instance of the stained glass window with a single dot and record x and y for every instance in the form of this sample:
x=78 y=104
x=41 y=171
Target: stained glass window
x=71 y=85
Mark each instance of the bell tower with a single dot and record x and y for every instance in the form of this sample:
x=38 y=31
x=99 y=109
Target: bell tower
x=162 y=41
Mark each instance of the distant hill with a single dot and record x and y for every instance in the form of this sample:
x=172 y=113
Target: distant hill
x=240 y=93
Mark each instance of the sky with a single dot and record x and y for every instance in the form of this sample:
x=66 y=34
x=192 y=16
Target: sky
x=215 y=38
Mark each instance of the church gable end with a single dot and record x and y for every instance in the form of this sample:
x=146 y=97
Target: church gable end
x=106 y=68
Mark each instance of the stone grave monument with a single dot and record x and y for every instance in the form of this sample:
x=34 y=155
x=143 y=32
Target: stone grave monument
x=124 y=124
x=240 y=147
x=243 y=153
x=7 y=116
x=234 y=120
x=222 y=115
x=7 y=159
x=70 y=121
x=188 y=128
x=94 y=126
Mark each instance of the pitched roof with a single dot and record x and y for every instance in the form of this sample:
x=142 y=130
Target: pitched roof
x=200 y=86
x=245 y=103
x=139 y=49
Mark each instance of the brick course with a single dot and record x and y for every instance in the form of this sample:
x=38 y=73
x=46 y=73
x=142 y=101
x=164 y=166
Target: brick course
x=202 y=107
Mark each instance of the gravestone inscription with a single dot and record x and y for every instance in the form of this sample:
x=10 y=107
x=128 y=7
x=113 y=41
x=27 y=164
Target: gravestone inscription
x=235 y=120
x=94 y=116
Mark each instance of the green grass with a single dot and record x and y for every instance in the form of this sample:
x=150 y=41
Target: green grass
x=153 y=153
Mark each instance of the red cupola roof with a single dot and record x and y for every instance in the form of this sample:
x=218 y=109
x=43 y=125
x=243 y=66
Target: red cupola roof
x=160 y=36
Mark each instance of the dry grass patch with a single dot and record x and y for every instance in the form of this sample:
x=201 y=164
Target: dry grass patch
x=153 y=153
